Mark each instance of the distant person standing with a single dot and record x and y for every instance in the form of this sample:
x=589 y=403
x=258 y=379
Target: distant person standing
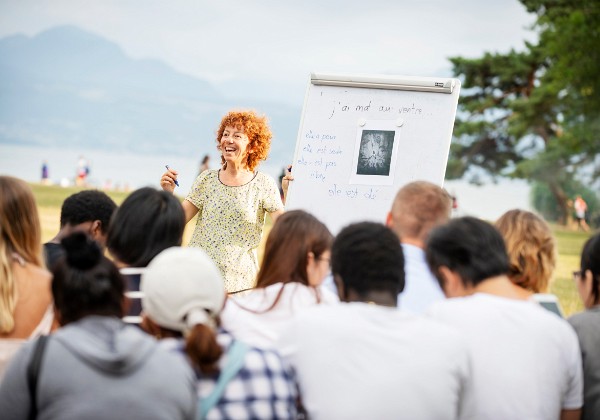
x=45 y=176
x=205 y=164
x=580 y=210
x=82 y=171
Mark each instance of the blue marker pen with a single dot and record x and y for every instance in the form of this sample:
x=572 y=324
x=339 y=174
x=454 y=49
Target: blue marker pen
x=176 y=183
x=290 y=168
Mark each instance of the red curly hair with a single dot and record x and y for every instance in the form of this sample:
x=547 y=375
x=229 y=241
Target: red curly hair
x=258 y=132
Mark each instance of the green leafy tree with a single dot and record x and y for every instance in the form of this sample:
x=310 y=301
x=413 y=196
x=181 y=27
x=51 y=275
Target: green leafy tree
x=535 y=114
x=543 y=200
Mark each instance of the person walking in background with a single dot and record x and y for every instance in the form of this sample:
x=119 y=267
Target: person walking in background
x=146 y=223
x=526 y=360
x=294 y=264
x=580 y=207
x=367 y=359
x=95 y=366
x=87 y=211
x=82 y=172
x=587 y=325
x=45 y=174
x=231 y=202
x=183 y=294
x=205 y=164
x=25 y=300
x=418 y=207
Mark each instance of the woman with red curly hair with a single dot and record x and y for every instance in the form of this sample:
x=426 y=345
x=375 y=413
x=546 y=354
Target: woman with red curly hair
x=231 y=202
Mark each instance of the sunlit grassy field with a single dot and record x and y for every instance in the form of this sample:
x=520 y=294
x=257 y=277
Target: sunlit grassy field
x=570 y=243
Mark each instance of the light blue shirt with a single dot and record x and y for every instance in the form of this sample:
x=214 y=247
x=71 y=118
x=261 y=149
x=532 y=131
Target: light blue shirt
x=421 y=288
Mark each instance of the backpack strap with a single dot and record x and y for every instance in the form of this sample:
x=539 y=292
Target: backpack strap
x=234 y=362
x=33 y=370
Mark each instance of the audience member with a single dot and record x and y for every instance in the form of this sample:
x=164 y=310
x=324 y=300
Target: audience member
x=587 y=324
x=231 y=202
x=25 y=298
x=147 y=222
x=86 y=211
x=418 y=207
x=531 y=250
x=95 y=366
x=365 y=359
x=183 y=295
x=526 y=361
x=295 y=262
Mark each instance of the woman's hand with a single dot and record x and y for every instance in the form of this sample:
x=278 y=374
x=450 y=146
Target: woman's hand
x=167 y=181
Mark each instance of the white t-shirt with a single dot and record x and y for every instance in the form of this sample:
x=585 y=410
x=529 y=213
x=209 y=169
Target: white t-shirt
x=421 y=288
x=263 y=329
x=526 y=360
x=362 y=361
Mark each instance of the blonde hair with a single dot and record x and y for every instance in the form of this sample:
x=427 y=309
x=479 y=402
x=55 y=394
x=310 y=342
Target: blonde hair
x=418 y=207
x=531 y=249
x=20 y=233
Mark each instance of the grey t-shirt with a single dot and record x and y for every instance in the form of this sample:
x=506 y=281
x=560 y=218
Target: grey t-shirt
x=587 y=326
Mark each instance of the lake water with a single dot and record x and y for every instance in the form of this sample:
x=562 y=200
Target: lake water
x=130 y=170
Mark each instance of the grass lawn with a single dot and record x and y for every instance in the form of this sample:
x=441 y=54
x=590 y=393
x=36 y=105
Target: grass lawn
x=570 y=243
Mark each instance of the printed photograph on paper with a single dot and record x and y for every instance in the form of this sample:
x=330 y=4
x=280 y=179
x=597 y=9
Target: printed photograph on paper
x=375 y=152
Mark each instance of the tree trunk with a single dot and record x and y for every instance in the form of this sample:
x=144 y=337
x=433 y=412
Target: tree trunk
x=561 y=200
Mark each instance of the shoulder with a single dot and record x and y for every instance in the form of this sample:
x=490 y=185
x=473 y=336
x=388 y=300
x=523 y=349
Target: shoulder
x=255 y=359
x=585 y=319
x=265 y=179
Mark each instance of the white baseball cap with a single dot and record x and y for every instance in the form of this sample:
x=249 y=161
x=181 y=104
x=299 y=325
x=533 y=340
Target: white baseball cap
x=182 y=287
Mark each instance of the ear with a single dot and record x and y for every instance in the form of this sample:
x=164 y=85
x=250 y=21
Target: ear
x=339 y=284
x=587 y=283
x=57 y=317
x=389 y=221
x=451 y=283
x=96 y=229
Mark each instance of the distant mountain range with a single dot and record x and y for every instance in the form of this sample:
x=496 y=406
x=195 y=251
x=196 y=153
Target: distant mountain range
x=68 y=88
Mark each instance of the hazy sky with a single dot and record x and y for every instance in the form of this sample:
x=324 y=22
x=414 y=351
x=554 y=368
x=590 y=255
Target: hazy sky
x=275 y=44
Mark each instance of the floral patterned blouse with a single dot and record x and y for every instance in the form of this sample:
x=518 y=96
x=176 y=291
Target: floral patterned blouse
x=230 y=223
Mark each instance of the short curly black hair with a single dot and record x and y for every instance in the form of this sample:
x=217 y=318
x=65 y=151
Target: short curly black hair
x=87 y=206
x=368 y=257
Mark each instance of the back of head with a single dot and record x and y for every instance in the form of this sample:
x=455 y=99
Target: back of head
x=85 y=282
x=183 y=291
x=468 y=246
x=368 y=257
x=19 y=221
x=20 y=233
x=590 y=260
x=419 y=207
x=147 y=222
x=531 y=249
x=293 y=236
x=87 y=206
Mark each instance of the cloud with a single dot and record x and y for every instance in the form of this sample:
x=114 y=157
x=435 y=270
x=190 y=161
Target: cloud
x=282 y=42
